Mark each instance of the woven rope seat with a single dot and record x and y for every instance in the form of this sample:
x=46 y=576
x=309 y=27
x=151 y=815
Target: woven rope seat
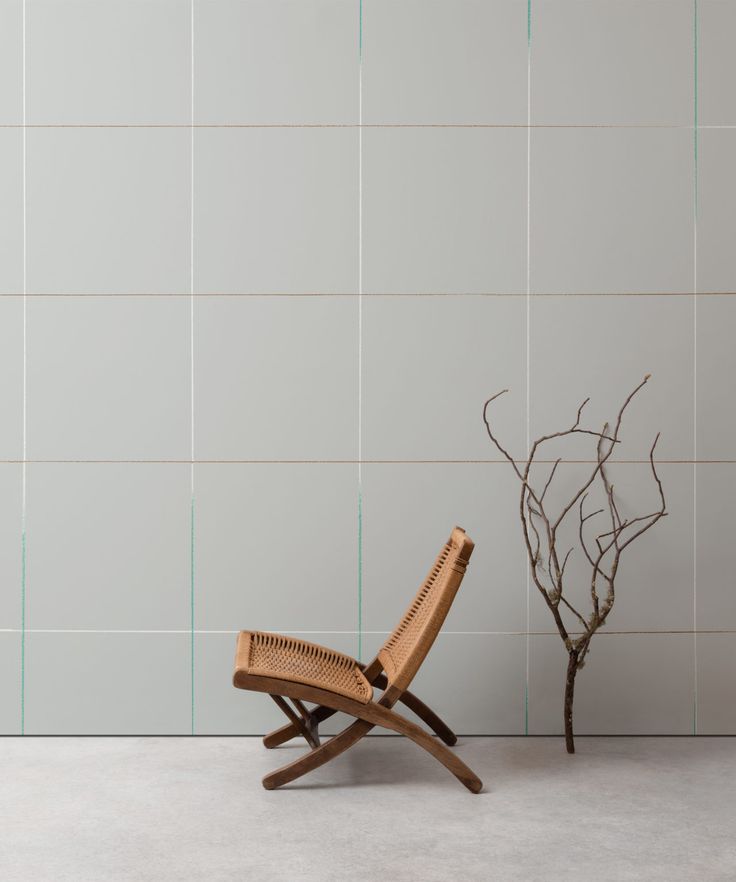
x=263 y=654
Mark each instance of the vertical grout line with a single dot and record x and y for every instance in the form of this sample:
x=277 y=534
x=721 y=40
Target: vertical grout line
x=528 y=321
x=191 y=358
x=25 y=389
x=360 y=329
x=695 y=366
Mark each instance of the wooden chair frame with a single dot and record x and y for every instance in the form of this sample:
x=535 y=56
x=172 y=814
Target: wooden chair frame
x=390 y=671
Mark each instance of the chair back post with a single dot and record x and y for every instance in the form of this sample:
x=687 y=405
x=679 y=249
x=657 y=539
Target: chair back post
x=403 y=653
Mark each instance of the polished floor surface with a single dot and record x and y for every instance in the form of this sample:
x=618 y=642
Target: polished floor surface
x=129 y=809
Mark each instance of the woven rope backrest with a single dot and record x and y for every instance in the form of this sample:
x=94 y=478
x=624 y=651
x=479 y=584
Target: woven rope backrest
x=405 y=650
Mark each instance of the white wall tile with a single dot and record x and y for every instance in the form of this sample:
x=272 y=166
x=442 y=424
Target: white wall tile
x=10 y=546
x=276 y=547
x=276 y=210
x=10 y=684
x=11 y=64
x=11 y=211
x=276 y=377
x=108 y=378
x=108 y=210
x=716 y=210
x=612 y=210
x=444 y=61
x=717 y=684
x=429 y=364
x=108 y=684
x=716 y=366
x=91 y=62
x=716 y=62
x=273 y=62
x=11 y=377
x=108 y=546
x=612 y=62
x=716 y=516
x=444 y=210
x=602 y=347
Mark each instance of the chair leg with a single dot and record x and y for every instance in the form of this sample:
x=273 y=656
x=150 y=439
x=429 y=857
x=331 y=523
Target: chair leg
x=303 y=724
x=290 y=730
x=391 y=720
x=315 y=758
x=438 y=726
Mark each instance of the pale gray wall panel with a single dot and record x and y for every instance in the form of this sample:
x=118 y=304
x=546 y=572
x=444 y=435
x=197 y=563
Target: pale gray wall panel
x=276 y=210
x=276 y=378
x=602 y=347
x=717 y=62
x=612 y=210
x=444 y=210
x=276 y=61
x=11 y=65
x=107 y=684
x=11 y=211
x=10 y=683
x=612 y=62
x=108 y=546
x=108 y=210
x=10 y=546
x=444 y=61
x=715 y=377
x=717 y=684
x=429 y=363
x=716 y=521
x=108 y=62
x=717 y=210
x=108 y=378
x=11 y=377
x=276 y=547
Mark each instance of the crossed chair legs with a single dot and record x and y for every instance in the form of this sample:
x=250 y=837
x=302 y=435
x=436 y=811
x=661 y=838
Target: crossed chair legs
x=305 y=723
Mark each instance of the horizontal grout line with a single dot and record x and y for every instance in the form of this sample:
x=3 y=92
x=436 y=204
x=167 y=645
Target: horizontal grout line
x=233 y=633
x=612 y=462
x=277 y=294
x=189 y=125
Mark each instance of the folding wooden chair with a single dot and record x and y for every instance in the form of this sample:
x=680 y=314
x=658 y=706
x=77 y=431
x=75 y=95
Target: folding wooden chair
x=285 y=667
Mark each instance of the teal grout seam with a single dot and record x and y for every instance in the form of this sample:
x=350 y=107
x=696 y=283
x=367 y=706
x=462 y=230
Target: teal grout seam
x=191 y=603
x=695 y=362
x=23 y=631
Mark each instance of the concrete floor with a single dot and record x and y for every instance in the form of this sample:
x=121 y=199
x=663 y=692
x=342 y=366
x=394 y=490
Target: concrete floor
x=99 y=809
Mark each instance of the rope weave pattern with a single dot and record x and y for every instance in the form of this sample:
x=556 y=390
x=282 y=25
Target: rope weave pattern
x=287 y=658
x=401 y=644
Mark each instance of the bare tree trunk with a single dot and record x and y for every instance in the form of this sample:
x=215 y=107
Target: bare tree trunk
x=572 y=669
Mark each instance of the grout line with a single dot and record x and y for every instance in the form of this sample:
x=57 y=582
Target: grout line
x=376 y=294
x=360 y=329
x=25 y=391
x=194 y=462
x=695 y=366
x=186 y=632
x=528 y=322
x=673 y=126
x=191 y=358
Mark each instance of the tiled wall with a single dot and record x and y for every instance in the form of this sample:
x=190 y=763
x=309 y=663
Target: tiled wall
x=261 y=263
